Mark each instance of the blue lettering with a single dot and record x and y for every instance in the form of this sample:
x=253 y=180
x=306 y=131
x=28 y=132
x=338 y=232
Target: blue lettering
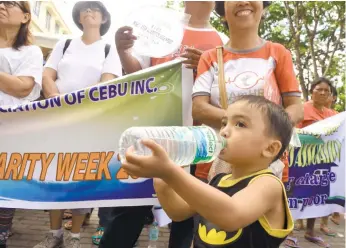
x=112 y=90
x=103 y=92
x=43 y=104
x=91 y=95
x=332 y=177
x=21 y=108
x=122 y=90
x=3 y=110
x=73 y=100
x=80 y=96
x=316 y=200
x=324 y=180
x=139 y=87
x=55 y=102
x=132 y=88
x=34 y=106
x=293 y=203
x=149 y=90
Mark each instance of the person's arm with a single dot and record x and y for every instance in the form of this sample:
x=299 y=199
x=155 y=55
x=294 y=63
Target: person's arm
x=112 y=66
x=288 y=85
x=24 y=80
x=124 y=40
x=229 y=213
x=202 y=110
x=49 y=86
x=129 y=62
x=106 y=77
x=50 y=75
x=175 y=207
x=19 y=87
x=294 y=107
x=206 y=113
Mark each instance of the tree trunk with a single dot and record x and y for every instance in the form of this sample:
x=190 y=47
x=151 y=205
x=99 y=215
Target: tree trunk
x=342 y=30
x=296 y=41
x=311 y=37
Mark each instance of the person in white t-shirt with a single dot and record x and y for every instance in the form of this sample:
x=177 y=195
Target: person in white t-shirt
x=20 y=73
x=73 y=65
x=20 y=61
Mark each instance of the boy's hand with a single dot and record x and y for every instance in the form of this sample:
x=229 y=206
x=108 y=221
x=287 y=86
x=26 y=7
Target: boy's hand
x=157 y=165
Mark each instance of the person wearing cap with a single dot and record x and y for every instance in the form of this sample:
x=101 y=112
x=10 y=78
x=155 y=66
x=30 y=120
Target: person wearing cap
x=73 y=65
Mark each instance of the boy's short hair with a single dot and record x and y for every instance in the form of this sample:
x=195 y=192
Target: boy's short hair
x=279 y=122
x=318 y=81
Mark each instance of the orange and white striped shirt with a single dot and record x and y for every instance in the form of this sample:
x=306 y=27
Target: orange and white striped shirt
x=266 y=70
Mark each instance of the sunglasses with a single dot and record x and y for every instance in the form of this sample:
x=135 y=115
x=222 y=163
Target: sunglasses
x=92 y=6
x=10 y=4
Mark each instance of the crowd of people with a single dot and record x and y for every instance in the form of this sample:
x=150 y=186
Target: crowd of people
x=263 y=94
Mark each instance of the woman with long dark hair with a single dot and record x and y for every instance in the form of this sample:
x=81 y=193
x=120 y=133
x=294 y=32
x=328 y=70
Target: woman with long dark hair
x=20 y=72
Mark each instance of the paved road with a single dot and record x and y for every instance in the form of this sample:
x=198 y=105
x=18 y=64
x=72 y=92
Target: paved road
x=30 y=227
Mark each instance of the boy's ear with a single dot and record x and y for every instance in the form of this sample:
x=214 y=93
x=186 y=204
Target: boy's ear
x=272 y=149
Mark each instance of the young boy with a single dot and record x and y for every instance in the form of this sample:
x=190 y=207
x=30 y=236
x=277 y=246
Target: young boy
x=247 y=208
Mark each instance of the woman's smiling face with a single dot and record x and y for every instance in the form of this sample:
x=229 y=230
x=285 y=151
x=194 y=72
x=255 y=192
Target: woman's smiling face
x=243 y=14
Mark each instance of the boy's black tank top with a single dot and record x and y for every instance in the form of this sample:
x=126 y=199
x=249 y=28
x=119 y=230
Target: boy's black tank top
x=257 y=235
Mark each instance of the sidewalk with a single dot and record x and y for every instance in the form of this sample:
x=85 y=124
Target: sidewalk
x=30 y=226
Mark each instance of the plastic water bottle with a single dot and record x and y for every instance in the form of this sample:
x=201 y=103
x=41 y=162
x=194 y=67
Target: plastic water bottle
x=153 y=235
x=184 y=145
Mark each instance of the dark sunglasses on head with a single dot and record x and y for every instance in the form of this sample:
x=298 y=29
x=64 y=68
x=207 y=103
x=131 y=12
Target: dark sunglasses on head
x=10 y=4
x=91 y=6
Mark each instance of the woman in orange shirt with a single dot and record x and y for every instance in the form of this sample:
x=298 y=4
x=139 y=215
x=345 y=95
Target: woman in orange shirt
x=315 y=110
x=252 y=66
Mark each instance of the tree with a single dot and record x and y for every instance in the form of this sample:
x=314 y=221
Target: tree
x=341 y=101
x=217 y=22
x=314 y=32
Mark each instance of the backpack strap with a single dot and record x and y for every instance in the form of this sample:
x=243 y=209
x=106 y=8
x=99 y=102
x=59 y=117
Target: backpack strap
x=107 y=48
x=67 y=43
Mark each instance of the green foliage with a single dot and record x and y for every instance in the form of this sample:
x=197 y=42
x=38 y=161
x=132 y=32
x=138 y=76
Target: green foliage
x=175 y=5
x=218 y=24
x=314 y=32
x=340 y=103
